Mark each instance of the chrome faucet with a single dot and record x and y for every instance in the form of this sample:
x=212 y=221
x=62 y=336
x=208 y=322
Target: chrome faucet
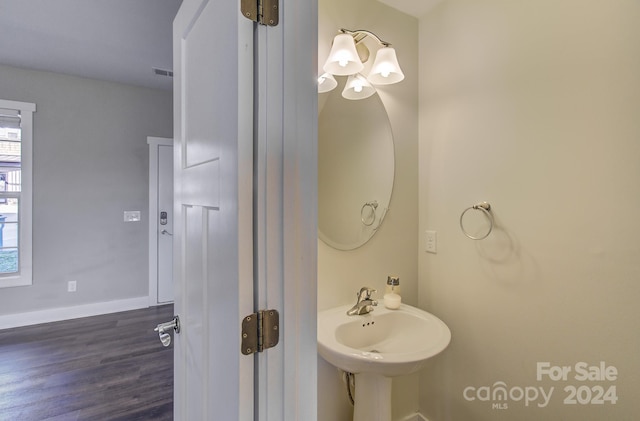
x=365 y=304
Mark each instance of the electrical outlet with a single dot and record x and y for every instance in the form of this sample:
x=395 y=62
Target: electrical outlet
x=71 y=286
x=430 y=242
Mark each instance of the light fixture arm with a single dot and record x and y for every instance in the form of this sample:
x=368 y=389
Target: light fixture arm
x=360 y=34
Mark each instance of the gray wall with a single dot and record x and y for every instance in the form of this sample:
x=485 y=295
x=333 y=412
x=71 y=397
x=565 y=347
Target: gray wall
x=90 y=165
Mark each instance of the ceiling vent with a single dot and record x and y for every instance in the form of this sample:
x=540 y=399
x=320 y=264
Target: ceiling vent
x=163 y=72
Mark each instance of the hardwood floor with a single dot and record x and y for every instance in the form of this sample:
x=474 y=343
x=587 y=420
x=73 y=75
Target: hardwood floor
x=110 y=367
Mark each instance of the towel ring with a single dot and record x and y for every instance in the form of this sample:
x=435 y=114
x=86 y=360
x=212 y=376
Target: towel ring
x=485 y=208
x=372 y=217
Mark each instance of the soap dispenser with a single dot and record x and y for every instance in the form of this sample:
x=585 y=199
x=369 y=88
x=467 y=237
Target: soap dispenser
x=392 y=299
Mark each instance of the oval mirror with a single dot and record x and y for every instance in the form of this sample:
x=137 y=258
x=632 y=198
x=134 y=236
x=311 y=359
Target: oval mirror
x=355 y=169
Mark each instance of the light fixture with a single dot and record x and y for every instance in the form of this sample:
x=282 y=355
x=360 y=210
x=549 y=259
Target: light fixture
x=346 y=58
x=358 y=87
x=326 y=83
x=386 y=69
x=343 y=59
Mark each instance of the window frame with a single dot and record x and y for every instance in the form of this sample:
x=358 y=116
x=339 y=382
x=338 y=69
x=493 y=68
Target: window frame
x=24 y=276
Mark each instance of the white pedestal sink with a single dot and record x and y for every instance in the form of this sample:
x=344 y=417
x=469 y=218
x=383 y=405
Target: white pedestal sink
x=377 y=346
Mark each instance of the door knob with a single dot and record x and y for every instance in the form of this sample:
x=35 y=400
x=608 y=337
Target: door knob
x=165 y=232
x=162 y=329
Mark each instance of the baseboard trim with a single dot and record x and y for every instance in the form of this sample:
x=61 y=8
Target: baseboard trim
x=414 y=417
x=65 y=313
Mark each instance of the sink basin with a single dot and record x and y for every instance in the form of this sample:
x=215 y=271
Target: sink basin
x=384 y=342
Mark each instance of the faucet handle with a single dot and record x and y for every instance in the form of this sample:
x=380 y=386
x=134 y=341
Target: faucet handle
x=365 y=293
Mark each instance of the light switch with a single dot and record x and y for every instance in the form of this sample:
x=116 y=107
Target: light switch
x=430 y=242
x=131 y=216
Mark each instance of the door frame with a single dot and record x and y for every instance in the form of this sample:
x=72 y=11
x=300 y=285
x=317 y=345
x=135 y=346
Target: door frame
x=285 y=212
x=285 y=209
x=154 y=143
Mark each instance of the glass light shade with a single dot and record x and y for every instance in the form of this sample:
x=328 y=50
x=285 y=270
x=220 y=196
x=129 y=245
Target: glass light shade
x=358 y=87
x=343 y=59
x=326 y=83
x=385 y=69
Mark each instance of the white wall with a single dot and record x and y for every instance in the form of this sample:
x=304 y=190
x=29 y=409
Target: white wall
x=393 y=249
x=532 y=106
x=90 y=165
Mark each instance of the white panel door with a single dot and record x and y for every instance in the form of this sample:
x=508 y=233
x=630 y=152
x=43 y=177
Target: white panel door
x=213 y=117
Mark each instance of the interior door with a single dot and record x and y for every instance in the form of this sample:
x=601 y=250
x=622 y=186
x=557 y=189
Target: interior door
x=165 y=224
x=213 y=275
x=160 y=220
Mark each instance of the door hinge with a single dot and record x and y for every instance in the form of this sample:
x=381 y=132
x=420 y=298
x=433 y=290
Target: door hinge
x=260 y=331
x=265 y=12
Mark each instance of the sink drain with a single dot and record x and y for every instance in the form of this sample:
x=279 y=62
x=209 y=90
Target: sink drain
x=375 y=351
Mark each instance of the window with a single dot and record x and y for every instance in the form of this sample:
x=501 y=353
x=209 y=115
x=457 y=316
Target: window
x=16 y=140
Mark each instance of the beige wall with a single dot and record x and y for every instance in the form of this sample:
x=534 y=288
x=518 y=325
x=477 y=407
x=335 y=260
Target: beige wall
x=393 y=249
x=534 y=107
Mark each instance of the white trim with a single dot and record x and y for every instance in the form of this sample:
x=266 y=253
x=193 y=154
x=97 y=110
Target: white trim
x=246 y=176
x=268 y=217
x=65 y=313
x=17 y=105
x=286 y=190
x=414 y=417
x=154 y=143
x=24 y=277
x=160 y=141
x=299 y=40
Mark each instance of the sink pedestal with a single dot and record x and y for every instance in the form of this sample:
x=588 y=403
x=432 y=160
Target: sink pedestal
x=377 y=347
x=372 y=400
